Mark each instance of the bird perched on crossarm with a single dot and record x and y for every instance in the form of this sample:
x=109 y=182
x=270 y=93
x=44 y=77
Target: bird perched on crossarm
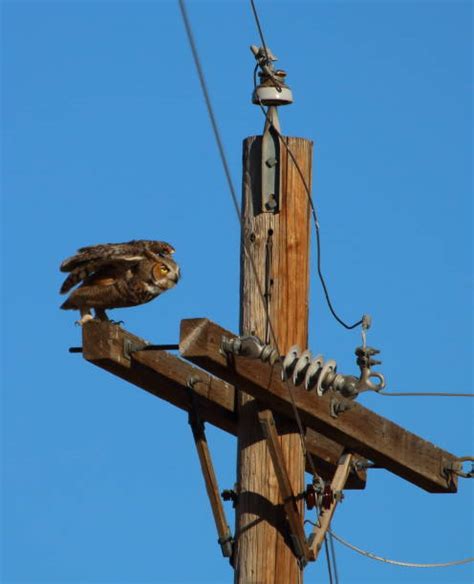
x=117 y=275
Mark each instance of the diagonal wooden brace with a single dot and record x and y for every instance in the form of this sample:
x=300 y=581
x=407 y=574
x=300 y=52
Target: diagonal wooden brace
x=325 y=517
x=197 y=425
x=295 y=520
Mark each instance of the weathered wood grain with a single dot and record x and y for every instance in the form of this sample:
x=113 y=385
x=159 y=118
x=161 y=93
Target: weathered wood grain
x=295 y=519
x=274 y=306
x=166 y=376
x=358 y=429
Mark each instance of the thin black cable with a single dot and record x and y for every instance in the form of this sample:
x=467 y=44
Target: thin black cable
x=306 y=187
x=316 y=225
x=328 y=558
x=210 y=111
x=223 y=157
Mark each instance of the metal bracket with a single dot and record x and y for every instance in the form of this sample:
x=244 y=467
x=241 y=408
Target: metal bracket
x=339 y=406
x=271 y=164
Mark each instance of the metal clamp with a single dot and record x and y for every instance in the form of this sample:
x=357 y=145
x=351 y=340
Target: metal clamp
x=227 y=544
x=249 y=346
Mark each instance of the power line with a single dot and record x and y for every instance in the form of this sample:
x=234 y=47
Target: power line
x=424 y=393
x=328 y=558
x=260 y=31
x=333 y=555
x=223 y=157
x=395 y=562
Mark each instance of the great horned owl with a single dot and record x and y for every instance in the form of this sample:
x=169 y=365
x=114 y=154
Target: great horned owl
x=117 y=275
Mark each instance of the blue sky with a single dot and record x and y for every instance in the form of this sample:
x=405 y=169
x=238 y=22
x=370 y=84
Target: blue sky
x=106 y=138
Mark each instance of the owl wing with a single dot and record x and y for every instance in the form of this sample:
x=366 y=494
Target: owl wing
x=98 y=271
x=134 y=250
x=102 y=289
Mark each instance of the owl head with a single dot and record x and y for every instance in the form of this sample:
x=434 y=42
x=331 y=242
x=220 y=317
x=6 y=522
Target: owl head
x=165 y=273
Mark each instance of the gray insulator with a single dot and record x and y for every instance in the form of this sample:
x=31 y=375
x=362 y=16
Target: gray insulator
x=301 y=367
x=289 y=362
x=313 y=371
x=329 y=367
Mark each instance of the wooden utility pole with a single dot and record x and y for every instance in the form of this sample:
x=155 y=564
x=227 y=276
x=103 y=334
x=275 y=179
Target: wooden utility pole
x=277 y=244
x=242 y=392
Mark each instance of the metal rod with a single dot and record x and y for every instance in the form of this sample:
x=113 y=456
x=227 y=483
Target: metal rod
x=168 y=347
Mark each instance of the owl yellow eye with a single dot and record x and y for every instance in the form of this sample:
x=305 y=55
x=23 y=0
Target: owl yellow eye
x=164 y=269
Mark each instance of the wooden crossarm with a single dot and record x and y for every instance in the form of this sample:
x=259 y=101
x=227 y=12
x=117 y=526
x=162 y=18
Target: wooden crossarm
x=166 y=376
x=325 y=516
x=358 y=428
x=294 y=517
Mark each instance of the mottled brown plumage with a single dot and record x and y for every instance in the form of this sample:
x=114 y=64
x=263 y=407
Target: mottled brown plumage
x=117 y=275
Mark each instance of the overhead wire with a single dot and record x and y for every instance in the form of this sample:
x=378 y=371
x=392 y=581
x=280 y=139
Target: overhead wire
x=223 y=157
x=328 y=559
x=424 y=393
x=259 y=28
x=396 y=562
x=333 y=555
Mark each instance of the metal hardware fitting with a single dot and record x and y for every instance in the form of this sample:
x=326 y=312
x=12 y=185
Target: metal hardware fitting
x=456 y=467
x=272 y=92
x=270 y=164
x=249 y=346
x=169 y=347
x=321 y=376
x=337 y=407
x=315 y=373
x=227 y=544
x=130 y=347
x=230 y=495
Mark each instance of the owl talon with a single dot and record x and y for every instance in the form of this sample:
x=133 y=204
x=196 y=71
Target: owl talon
x=85 y=318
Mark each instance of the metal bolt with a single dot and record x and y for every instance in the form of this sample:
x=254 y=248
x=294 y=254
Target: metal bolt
x=271 y=162
x=271 y=204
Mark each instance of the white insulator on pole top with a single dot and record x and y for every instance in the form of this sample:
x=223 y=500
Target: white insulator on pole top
x=272 y=89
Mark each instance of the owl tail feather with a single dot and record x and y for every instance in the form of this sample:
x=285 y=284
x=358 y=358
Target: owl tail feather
x=68 y=305
x=74 y=278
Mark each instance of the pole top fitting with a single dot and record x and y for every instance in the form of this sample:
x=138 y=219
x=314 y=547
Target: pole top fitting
x=272 y=90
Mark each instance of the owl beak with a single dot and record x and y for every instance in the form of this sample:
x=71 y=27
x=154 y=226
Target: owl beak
x=176 y=277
